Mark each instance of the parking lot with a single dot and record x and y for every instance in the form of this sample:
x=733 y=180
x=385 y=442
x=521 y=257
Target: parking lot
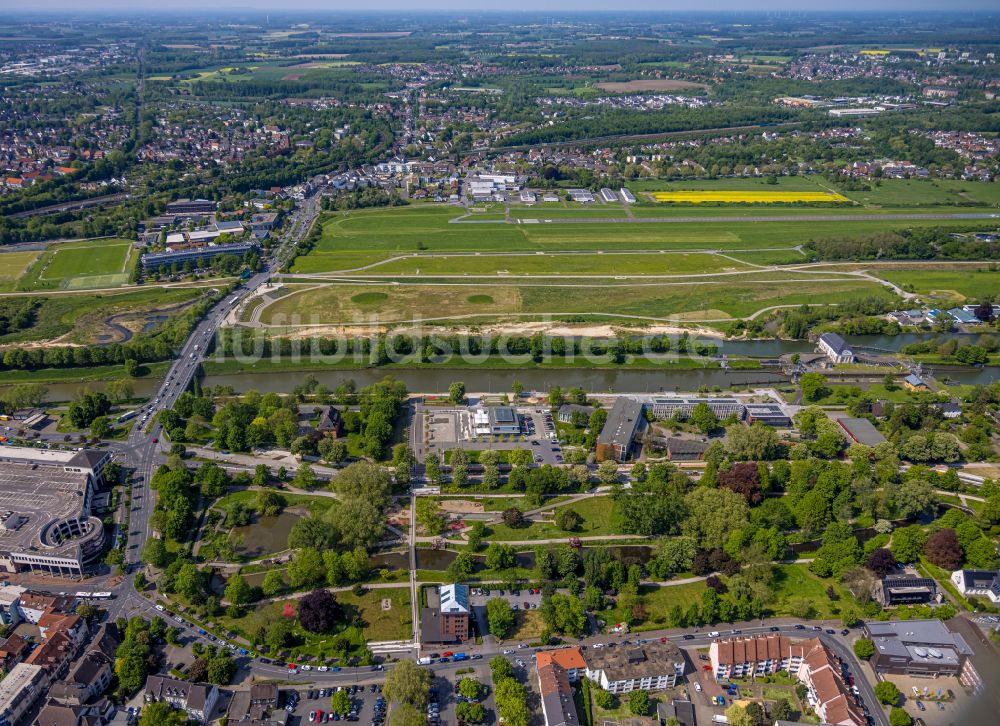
x=305 y=705
x=519 y=599
x=438 y=430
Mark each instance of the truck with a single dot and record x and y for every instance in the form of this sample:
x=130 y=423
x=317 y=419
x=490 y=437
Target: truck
x=424 y=661
x=460 y=656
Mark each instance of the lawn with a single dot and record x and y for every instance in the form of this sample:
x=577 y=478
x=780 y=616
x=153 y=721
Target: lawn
x=794 y=584
x=317 y=506
x=658 y=602
x=948 y=287
x=596 y=513
x=80 y=265
x=373 y=623
x=528 y=625
x=353 y=239
x=704 y=299
x=12 y=266
x=922 y=193
x=536 y=263
x=747 y=197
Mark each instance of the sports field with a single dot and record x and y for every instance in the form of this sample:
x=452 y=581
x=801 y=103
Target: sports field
x=83 y=265
x=748 y=197
x=12 y=266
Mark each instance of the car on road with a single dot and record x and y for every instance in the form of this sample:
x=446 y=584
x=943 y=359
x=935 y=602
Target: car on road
x=845 y=631
x=774 y=629
x=688 y=636
x=800 y=626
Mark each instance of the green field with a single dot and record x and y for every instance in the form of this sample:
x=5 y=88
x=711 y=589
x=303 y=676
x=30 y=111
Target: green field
x=88 y=264
x=596 y=513
x=13 y=266
x=717 y=299
x=948 y=287
x=547 y=263
x=353 y=239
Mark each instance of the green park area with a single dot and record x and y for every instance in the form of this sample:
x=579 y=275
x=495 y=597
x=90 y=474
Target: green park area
x=711 y=299
x=373 y=615
x=88 y=318
x=595 y=514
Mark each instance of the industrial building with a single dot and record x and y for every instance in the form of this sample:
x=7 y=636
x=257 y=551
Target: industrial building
x=917 y=647
x=200 y=256
x=835 y=348
x=861 y=431
x=905 y=590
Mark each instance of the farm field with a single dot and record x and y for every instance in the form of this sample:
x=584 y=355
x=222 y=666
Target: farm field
x=715 y=300
x=81 y=265
x=746 y=197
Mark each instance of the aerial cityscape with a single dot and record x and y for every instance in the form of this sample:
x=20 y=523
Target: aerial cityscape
x=458 y=365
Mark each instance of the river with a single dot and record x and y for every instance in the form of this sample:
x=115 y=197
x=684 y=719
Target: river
x=481 y=378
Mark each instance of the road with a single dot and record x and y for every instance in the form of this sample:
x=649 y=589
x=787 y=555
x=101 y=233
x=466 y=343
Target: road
x=140 y=452
x=734 y=219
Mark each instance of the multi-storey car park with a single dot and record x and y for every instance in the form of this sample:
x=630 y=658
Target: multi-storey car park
x=46 y=523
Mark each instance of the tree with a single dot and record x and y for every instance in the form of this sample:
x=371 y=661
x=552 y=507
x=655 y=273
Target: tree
x=456 y=393
x=500 y=668
x=500 y=556
x=403 y=461
x=470 y=712
x=513 y=517
x=638 y=702
x=408 y=683
x=100 y=427
x=887 y=693
x=238 y=592
x=306 y=568
x=864 y=648
x=907 y=543
x=899 y=717
x=470 y=688
x=221 y=669
x=604 y=699
x=155 y=553
x=881 y=561
x=319 y=611
x=500 y=617
x=332 y=451
x=273 y=584
x=564 y=614
x=713 y=514
x=568 y=520
x=782 y=710
x=752 y=443
x=744 y=479
x=161 y=713
x=813 y=386
x=703 y=417
x=432 y=470
x=516 y=388
x=943 y=549
x=607 y=472
x=340 y=702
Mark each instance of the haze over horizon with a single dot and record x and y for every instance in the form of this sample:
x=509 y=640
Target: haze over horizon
x=543 y=6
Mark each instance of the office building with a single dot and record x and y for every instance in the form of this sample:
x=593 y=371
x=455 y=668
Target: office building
x=917 y=648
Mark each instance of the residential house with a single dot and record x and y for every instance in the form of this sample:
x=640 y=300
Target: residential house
x=20 y=691
x=558 y=708
x=914 y=383
x=197 y=700
x=10 y=604
x=56 y=714
x=87 y=679
x=650 y=667
x=978 y=583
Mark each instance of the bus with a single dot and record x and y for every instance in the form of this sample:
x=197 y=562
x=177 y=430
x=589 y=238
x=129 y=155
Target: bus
x=95 y=595
x=127 y=415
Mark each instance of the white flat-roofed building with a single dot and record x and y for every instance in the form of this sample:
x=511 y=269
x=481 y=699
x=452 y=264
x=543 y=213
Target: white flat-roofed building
x=608 y=195
x=45 y=509
x=665 y=407
x=627 y=196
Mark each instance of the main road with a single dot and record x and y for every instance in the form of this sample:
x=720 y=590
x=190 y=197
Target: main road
x=141 y=451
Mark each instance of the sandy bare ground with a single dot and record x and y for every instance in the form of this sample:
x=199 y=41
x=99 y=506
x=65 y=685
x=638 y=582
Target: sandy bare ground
x=461 y=506
x=648 y=84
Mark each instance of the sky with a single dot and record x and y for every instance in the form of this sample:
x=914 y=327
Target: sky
x=466 y=6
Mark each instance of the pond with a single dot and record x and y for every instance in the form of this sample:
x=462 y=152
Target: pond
x=266 y=535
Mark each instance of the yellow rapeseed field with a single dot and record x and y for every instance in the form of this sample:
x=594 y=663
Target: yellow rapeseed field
x=746 y=197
